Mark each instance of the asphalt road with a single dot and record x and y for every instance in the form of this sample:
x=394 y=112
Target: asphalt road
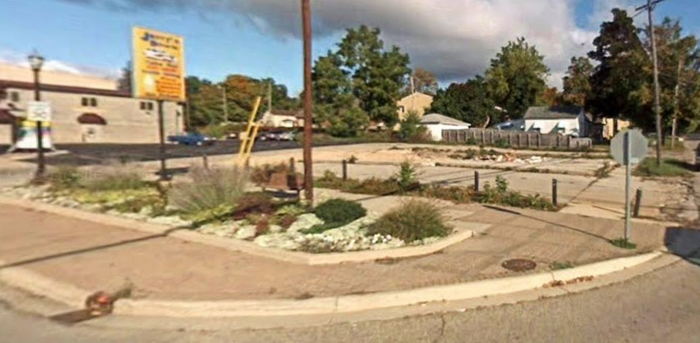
x=663 y=306
x=89 y=154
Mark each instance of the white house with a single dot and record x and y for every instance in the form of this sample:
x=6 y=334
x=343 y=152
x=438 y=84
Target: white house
x=436 y=123
x=567 y=120
x=283 y=118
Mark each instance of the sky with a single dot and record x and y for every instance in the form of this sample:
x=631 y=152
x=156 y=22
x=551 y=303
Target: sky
x=455 y=39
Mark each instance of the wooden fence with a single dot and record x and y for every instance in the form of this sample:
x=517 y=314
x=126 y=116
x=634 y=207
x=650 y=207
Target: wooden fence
x=516 y=139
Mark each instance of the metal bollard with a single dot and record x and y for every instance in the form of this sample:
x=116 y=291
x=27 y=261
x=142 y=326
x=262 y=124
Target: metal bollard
x=555 y=201
x=476 y=180
x=637 y=203
x=205 y=160
x=345 y=170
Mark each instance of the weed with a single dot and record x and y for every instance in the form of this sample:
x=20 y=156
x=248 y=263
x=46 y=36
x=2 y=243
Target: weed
x=556 y=265
x=668 y=168
x=623 y=243
x=353 y=159
x=113 y=176
x=406 y=176
x=64 y=177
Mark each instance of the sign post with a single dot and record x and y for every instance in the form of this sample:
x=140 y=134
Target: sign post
x=158 y=74
x=628 y=148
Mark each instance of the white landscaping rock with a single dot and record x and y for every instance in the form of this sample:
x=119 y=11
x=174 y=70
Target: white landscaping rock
x=304 y=222
x=245 y=232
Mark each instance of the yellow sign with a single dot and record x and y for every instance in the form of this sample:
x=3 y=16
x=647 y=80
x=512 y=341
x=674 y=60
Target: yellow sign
x=158 y=65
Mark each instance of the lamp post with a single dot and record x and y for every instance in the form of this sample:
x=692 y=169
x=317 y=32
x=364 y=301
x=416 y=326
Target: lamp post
x=36 y=61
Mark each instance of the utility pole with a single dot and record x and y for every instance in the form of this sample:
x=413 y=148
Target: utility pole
x=649 y=7
x=269 y=96
x=308 y=165
x=223 y=97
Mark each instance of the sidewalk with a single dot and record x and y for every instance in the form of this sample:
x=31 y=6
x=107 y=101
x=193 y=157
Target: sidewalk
x=101 y=257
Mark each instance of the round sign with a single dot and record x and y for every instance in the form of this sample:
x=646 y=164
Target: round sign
x=637 y=143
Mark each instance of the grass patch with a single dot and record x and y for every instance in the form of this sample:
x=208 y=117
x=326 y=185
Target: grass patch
x=623 y=243
x=669 y=168
x=413 y=220
x=209 y=189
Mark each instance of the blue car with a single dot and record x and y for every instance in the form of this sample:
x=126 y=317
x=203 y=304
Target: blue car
x=191 y=138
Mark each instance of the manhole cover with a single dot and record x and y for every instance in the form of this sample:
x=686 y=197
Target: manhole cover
x=519 y=265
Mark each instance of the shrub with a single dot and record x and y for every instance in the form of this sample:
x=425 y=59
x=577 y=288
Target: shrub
x=374 y=186
x=339 y=211
x=262 y=226
x=209 y=188
x=253 y=203
x=114 y=176
x=287 y=220
x=668 y=168
x=64 y=177
x=413 y=220
x=410 y=129
x=454 y=193
x=406 y=177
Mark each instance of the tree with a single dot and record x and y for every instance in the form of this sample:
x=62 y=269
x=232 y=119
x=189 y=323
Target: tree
x=468 y=102
x=577 y=85
x=204 y=99
x=364 y=74
x=620 y=81
x=124 y=81
x=423 y=81
x=411 y=130
x=516 y=77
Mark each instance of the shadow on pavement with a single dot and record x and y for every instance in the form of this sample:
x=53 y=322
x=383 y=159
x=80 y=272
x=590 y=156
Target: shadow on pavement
x=165 y=233
x=684 y=243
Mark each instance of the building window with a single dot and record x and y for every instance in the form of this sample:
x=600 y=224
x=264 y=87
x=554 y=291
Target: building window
x=14 y=96
x=146 y=106
x=88 y=102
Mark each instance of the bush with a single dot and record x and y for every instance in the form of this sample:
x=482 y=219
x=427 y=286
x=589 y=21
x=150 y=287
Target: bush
x=339 y=211
x=406 y=177
x=503 y=196
x=253 y=203
x=209 y=188
x=114 y=176
x=413 y=220
x=64 y=177
x=454 y=193
x=410 y=129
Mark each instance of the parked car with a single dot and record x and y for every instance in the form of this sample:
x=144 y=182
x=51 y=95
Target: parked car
x=276 y=135
x=191 y=138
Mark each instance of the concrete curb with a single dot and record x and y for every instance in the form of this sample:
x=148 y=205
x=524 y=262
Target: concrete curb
x=346 y=304
x=466 y=231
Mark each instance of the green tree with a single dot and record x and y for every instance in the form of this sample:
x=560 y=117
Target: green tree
x=204 y=100
x=620 y=82
x=363 y=74
x=469 y=102
x=577 y=85
x=411 y=130
x=516 y=77
x=124 y=81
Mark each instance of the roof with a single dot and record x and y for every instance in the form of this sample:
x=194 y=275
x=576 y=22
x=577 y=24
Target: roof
x=553 y=112
x=6 y=117
x=91 y=118
x=64 y=89
x=416 y=94
x=436 y=118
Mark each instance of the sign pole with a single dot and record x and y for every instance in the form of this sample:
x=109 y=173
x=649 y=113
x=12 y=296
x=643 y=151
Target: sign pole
x=628 y=181
x=41 y=168
x=161 y=134
x=308 y=120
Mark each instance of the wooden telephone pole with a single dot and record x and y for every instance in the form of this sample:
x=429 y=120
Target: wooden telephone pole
x=649 y=7
x=308 y=132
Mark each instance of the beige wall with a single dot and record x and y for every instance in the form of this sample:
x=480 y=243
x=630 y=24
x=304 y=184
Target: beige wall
x=417 y=102
x=126 y=122
x=18 y=73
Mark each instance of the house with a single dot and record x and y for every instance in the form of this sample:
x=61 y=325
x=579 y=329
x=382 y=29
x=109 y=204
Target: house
x=84 y=110
x=283 y=118
x=417 y=101
x=566 y=120
x=436 y=123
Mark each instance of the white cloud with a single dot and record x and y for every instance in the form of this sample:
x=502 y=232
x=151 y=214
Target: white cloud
x=20 y=59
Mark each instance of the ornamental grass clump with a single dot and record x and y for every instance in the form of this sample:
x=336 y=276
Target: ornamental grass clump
x=210 y=188
x=413 y=220
x=113 y=176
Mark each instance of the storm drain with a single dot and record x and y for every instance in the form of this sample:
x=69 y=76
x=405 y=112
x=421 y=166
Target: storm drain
x=519 y=264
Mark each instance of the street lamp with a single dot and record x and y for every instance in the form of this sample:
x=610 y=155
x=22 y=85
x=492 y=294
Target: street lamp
x=36 y=61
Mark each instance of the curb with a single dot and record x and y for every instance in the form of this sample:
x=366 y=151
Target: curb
x=466 y=232
x=68 y=294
